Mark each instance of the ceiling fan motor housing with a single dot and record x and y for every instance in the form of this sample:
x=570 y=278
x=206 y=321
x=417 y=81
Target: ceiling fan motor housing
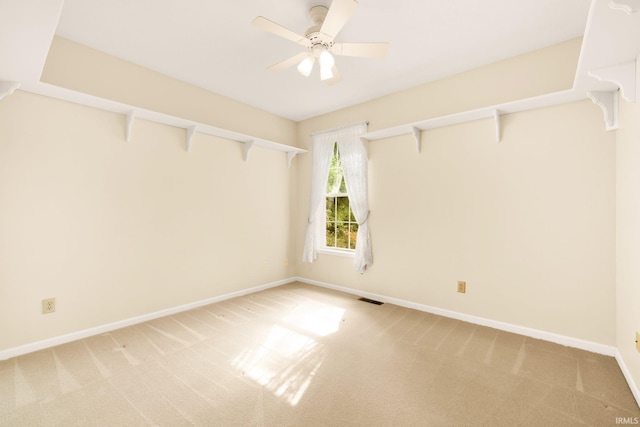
x=318 y=15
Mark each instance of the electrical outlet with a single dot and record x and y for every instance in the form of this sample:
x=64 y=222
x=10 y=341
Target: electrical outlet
x=638 y=341
x=285 y=261
x=48 y=305
x=265 y=265
x=462 y=287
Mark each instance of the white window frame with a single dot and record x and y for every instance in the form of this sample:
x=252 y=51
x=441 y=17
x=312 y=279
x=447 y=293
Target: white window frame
x=321 y=231
x=322 y=236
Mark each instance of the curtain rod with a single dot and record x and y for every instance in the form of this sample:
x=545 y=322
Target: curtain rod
x=366 y=122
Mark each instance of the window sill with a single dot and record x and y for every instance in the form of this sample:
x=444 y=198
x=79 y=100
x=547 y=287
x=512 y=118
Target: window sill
x=337 y=252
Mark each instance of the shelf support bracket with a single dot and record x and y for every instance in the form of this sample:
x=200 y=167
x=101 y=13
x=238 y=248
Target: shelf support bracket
x=496 y=116
x=7 y=88
x=131 y=115
x=608 y=101
x=417 y=135
x=628 y=6
x=622 y=75
x=247 y=147
x=290 y=156
x=190 y=131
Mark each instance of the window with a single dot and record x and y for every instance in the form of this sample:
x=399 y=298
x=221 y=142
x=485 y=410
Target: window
x=336 y=220
x=341 y=227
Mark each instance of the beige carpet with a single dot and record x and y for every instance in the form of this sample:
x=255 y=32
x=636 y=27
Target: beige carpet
x=299 y=355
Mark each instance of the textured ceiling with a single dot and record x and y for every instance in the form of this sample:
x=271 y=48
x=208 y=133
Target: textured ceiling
x=212 y=44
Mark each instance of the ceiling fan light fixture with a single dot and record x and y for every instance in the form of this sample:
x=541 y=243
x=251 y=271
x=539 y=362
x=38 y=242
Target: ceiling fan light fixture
x=305 y=66
x=326 y=73
x=326 y=60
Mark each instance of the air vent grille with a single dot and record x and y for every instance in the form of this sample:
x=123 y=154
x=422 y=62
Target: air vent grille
x=370 y=301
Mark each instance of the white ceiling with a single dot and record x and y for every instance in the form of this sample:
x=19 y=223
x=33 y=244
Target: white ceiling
x=25 y=37
x=212 y=44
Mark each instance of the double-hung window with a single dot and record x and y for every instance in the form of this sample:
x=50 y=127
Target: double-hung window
x=341 y=227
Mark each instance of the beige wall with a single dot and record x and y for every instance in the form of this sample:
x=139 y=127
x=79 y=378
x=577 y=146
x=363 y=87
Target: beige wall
x=528 y=222
x=115 y=230
x=628 y=235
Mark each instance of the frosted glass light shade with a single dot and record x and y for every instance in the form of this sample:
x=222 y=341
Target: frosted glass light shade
x=305 y=66
x=326 y=73
x=326 y=59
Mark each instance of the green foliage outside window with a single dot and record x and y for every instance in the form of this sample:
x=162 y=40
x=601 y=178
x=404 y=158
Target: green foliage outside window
x=341 y=225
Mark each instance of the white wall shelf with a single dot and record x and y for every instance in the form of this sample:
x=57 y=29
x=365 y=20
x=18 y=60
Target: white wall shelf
x=7 y=88
x=609 y=62
x=492 y=112
x=133 y=113
x=601 y=72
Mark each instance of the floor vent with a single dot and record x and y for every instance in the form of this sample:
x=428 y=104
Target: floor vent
x=370 y=301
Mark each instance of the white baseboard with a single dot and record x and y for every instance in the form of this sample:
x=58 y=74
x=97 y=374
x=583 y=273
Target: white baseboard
x=522 y=330
x=63 y=339
x=627 y=375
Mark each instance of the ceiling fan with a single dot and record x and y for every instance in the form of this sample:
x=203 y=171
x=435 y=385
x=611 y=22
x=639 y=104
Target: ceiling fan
x=319 y=41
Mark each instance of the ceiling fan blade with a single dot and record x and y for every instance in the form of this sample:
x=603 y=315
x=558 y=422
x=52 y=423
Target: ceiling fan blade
x=361 y=50
x=277 y=29
x=337 y=78
x=338 y=15
x=294 y=60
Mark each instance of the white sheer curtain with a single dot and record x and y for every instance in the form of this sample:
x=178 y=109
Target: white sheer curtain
x=354 y=165
x=321 y=152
